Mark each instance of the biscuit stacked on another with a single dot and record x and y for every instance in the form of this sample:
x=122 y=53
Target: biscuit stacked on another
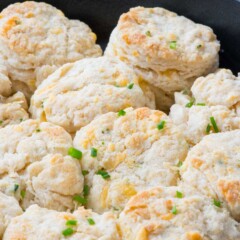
x=168 y=214
x=35 y=39
x=128 y=152
x=166 y=50
x=214 y=98
x=212 y=168
x=35 y=166
x=78 y=92
x=40 y=223
x=13 y=110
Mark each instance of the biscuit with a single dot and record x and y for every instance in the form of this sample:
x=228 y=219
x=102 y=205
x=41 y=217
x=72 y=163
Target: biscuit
x=9 y=208
x=168 y=214
x=13 y=110
x=127 y=152
x=166 y=50
x=35 y=166
x=219 y=88
x=36 y=38
x=212 y=168
x=196 y=120
x=83 y=224
x=53 y=182
x=78 y=92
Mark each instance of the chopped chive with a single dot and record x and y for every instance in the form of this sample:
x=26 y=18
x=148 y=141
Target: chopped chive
x=180 y=163
x=173 y=44
x=199 y=46
x=179 y=194
x=80 y=200
x=103 y=173
x=190 y=104
x=1 y=122
x=130 y=86
x=174 y=210
x=91 y=221
x=86 y=190
x=201 y=104
x=67 y=232
x=94 y=152
x=214 y=124
x=71 y=223
x=121 y=113
x=20 y=119
x=85 y=172
x=23 y=194
x=217 y=203
x=16 y=186
x=38 y=130
x=161 y=125
x=75 y=153
x=103 y=143
x=148 y=33
x=208 y=128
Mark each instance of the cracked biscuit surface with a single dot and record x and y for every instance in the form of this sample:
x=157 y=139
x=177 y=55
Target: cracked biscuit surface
x=51 y=224
x=36 y=39
x=127 y=152
x=212 y=168
x=78 y=92
x=35 y=168
x=13 y=109
x=166 y=50
x=9 y=208
x=168 y=214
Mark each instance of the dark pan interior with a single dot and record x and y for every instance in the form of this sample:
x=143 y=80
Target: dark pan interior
x=102 y=15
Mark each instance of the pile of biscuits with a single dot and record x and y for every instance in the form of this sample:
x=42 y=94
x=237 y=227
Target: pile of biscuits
x=139 y=143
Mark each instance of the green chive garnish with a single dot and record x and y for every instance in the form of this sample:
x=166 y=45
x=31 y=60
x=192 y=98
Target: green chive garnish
x=86 y=190
x=179 y=194
x=173 y=44
x=23 y=194
x=180 y=163
x=199 y=46
x=1 y=122
x=217 y=203
x=201 y=104
x=148 y=33
x=121 y=113
x=161 y=125
x=94 y=152
x=16 y=186
x=214 y=124
x=91 y=221
x=20 y=119
x=80 y=200
x=103 y=173
x=190 y=104
x=38 y=130
x=67 y=232
x=130 y=86
x=73 y=152
x=85 y=172
x=174 y=210
x=71 y=223
x=208 y=128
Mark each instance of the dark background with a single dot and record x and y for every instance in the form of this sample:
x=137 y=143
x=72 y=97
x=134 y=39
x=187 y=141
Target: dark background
x=102 y=15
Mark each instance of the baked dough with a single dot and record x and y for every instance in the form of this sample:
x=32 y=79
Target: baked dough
x=133 y=151
x=36 y=38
